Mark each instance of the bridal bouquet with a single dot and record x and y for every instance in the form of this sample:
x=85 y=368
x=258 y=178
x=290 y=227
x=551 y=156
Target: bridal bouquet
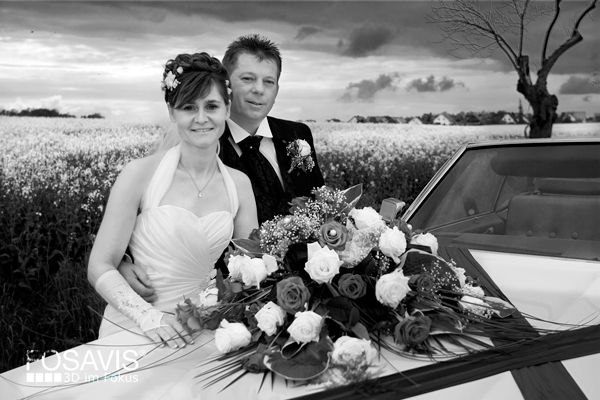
x=317 y=293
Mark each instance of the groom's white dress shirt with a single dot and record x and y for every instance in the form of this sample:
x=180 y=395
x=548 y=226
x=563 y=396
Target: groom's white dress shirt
x=267 y=148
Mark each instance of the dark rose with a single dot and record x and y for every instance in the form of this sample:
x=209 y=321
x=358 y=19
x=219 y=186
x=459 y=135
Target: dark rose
x=412 y=331
x=333 y=235
x=422 y=283
x=292 y=295
x=352 y=286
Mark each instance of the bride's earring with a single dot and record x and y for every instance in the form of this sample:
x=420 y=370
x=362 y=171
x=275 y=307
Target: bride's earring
x=218 y=147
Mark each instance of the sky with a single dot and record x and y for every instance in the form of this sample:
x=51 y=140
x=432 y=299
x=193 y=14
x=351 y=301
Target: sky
x=340 y=58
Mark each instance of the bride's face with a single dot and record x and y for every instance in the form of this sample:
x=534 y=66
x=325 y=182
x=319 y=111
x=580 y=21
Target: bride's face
x=202 y=122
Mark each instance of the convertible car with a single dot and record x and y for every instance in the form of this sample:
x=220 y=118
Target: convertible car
x=522 y=217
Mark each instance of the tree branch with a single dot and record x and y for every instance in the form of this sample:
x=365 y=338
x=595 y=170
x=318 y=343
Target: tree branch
x=583 y=14
x=522 y=28
x=556 y=12
x=575 y=38
x=549 y=62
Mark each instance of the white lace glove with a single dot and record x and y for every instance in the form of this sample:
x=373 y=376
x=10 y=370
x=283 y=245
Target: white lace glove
x=117 y=292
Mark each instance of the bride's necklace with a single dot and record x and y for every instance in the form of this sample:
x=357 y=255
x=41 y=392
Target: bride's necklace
x=199 y=189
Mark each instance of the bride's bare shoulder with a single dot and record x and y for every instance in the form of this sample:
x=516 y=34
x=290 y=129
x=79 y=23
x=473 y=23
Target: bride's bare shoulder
x=240 y=179
x=138 y=172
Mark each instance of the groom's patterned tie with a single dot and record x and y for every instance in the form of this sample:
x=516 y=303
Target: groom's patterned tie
x=265 y=183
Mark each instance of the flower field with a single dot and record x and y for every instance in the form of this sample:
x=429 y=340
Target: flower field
x=56 y=173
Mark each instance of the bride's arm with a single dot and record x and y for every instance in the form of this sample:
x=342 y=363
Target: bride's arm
x=245 y=219
x=109 y=246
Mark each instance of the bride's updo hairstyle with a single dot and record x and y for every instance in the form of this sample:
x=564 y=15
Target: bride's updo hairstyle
x=190 y=76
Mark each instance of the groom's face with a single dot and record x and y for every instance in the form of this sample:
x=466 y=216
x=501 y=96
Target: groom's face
x=254 y=87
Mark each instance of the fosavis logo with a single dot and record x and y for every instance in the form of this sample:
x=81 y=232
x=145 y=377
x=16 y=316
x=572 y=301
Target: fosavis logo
x=76 y=366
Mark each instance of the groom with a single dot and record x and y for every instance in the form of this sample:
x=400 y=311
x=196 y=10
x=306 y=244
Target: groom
x=257 y=144
x=253 y=142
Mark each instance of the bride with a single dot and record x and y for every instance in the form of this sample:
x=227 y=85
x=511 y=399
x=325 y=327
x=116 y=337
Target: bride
x=176 y=210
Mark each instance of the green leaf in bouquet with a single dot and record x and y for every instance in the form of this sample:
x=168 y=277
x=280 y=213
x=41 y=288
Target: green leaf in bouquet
x=342 y=310
x=421 y=303
x=222 y=286
x=311 y=361
x=415 y=262
x=295 y=258
x=235 y=313
x=500 y=307
x=352 y=194
x=445 y=323
x=360 y=331
x=390 y=207
x=255 y=362
x=194 y=323
x=291 y=349
x=248 y=246
x=213 y=320
x=236 y=287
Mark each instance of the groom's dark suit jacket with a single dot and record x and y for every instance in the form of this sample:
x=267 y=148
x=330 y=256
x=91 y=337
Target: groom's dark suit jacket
x=297 y=182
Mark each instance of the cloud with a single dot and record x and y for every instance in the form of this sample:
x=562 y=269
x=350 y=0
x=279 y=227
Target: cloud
x=581 y=85
x=366 y=39
x=306 y=31
x=430 y=84
x=366 y=89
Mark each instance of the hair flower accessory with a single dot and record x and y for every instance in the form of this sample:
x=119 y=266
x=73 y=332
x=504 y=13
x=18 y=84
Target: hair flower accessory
x=228 y=86
x=300 y=152
x=170 y=82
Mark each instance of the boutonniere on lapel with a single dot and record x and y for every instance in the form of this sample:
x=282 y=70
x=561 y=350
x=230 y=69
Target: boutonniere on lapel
x=299 y=151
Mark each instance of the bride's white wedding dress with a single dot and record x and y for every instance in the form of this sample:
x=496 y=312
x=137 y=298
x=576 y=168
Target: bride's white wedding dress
x=177 y=248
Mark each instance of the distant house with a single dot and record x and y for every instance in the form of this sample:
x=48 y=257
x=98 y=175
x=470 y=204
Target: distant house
x=507 y=119
x=573 y=116
x=357 y=119
x=415 y=121
x=333 y=120
x=442 y=119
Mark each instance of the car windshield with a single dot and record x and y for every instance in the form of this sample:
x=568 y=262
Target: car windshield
x=534 y=198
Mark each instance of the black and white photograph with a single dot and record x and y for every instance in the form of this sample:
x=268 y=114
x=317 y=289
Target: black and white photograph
x=300 y=199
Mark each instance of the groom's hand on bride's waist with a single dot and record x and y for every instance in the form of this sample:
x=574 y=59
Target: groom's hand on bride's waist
x=138 y=280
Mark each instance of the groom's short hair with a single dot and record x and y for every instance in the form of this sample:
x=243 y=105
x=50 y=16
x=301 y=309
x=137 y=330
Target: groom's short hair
x=256 y=45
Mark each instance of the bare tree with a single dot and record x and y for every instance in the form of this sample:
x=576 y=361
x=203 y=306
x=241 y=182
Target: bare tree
x=481 y=26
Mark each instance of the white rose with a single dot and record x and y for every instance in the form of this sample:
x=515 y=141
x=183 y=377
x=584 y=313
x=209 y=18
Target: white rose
x=323 y=265
x=392 y=288
x=392 y=243
x=231 y=336
x=353 y=352
x=366 y=218
x=269 y=317
x=235 y=265
x=270 y=263
x=303 y=148
x=306 y=327
x=254 y=272
x=209 y=297
x=426 y=239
